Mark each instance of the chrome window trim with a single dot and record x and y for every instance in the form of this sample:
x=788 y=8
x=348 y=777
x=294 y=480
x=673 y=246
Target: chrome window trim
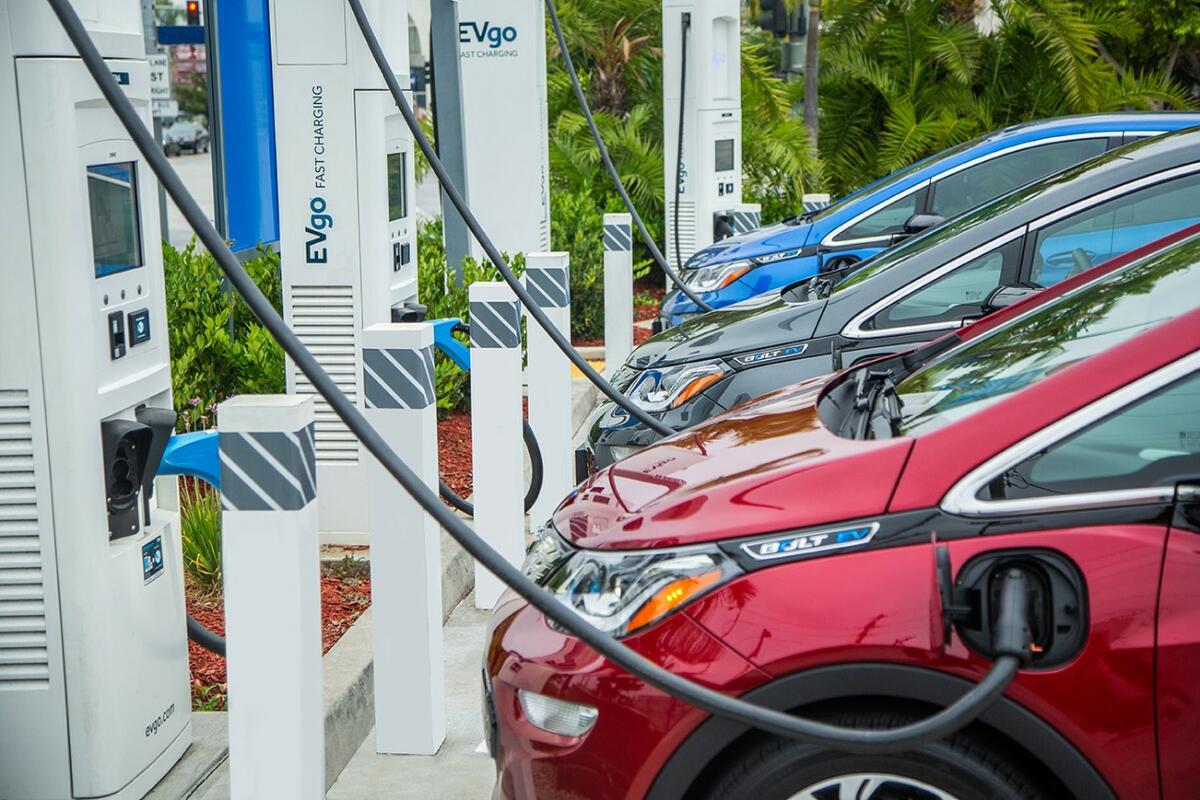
x=831 y=239
x=1116 y=191
x=961 y=499
x=854 y=329
x=1067 y=137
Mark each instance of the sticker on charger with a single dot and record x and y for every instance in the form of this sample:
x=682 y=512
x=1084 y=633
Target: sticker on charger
x=152 y=559
x=809 y=543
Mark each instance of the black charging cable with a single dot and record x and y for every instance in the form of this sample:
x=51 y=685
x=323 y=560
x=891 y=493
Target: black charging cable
x=685 y=26
x=204 y=637
x=618 y=184
x=854 y=740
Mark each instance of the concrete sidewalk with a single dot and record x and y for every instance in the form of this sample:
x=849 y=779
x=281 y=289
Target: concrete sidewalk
x=461 y=770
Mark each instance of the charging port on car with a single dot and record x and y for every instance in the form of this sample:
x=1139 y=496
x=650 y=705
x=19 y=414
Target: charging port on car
x=1056 y=600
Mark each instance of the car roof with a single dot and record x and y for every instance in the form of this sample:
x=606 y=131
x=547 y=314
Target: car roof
x=1012 y=211
x=1154 y=122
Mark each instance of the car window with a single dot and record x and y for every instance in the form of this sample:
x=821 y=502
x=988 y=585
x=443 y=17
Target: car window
x=1091 y=318
x=978 y=184
x=884 y=222
x=957 y=295
x=1154 y=442
x=887 y=181
x=1114 y=227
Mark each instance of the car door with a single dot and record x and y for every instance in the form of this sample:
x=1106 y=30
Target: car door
x=1178 y=635
x=1100 y=486
x=872 y=230
x=943 y=299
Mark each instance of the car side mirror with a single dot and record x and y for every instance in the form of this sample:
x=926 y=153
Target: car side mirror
x=1005 y=296
x=922 y=222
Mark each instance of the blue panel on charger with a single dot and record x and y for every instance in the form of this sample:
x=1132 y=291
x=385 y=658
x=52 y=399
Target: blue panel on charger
x=242 y=64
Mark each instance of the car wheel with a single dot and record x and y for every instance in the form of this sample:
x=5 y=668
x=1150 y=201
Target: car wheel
x=960 y=767
x=203 y=147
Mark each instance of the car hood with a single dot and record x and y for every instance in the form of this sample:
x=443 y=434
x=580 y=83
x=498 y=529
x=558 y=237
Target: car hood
x=767 y=466
x=760 y=322
x=758 y=242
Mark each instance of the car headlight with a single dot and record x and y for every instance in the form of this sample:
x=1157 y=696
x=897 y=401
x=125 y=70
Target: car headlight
x=709 y=279
x=771 y=258
x=545 y=554
x=671 y=387
x=622 y=592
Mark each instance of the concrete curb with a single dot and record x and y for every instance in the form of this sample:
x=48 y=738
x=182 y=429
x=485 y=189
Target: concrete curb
x=349 y=690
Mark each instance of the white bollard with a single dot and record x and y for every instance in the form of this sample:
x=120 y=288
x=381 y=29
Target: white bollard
x=406 y=562
x=618 y=290
x=496 y=445
x=747 y=217
x=272 y=597
x=548 y=279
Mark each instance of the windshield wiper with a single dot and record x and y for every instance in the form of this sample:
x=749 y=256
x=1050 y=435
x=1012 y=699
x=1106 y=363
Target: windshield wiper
x=871 y=387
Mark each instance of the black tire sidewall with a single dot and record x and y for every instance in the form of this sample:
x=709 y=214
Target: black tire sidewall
x=791 y=769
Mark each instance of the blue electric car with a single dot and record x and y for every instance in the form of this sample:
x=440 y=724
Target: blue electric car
x=918 y=197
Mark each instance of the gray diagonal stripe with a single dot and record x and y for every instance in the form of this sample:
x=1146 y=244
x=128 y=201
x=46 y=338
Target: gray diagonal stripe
x=533 y=286
x=282 y=451
x=550 y=284
x=493 y=319
x=481 y=336
x=239 y=492
x=395 y=379
x=430 y=375
x=617 y=237
x=266 y=471
x=308 y=448
x=376 y=393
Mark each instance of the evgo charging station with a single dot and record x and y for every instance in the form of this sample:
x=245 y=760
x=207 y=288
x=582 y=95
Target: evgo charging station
x=94 y=685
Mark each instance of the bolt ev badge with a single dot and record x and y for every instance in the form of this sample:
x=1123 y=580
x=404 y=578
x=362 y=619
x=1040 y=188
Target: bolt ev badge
x=809 y=543
x=770 y=355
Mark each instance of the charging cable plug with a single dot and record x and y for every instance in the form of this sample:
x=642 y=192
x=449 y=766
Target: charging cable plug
x=1012 y=634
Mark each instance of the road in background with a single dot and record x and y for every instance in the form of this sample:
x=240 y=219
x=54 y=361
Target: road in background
x=196 y=173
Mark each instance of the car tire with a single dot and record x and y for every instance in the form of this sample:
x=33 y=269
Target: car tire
x=960 y=767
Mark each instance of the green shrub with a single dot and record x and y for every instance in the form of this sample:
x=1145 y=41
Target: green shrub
x=200 y=526
x=218 y=348
x=577 y=228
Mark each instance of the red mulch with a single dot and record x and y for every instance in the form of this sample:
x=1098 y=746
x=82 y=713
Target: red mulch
x=454 y=452
x=342 y=602
x=640 y=335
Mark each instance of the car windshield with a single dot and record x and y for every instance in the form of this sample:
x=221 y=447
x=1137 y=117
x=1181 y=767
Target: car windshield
x=886 y=181
x=1092 y=318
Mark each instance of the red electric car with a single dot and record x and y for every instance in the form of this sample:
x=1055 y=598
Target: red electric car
x=834 y=549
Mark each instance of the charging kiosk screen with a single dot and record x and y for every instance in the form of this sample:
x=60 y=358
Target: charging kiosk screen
x=112 y=201
x=724 y=155
x=397 y=171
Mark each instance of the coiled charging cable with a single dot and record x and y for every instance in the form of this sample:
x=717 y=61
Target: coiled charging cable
x=854 y=740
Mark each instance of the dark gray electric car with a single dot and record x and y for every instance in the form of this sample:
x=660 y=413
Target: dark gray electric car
x=1029 y=239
